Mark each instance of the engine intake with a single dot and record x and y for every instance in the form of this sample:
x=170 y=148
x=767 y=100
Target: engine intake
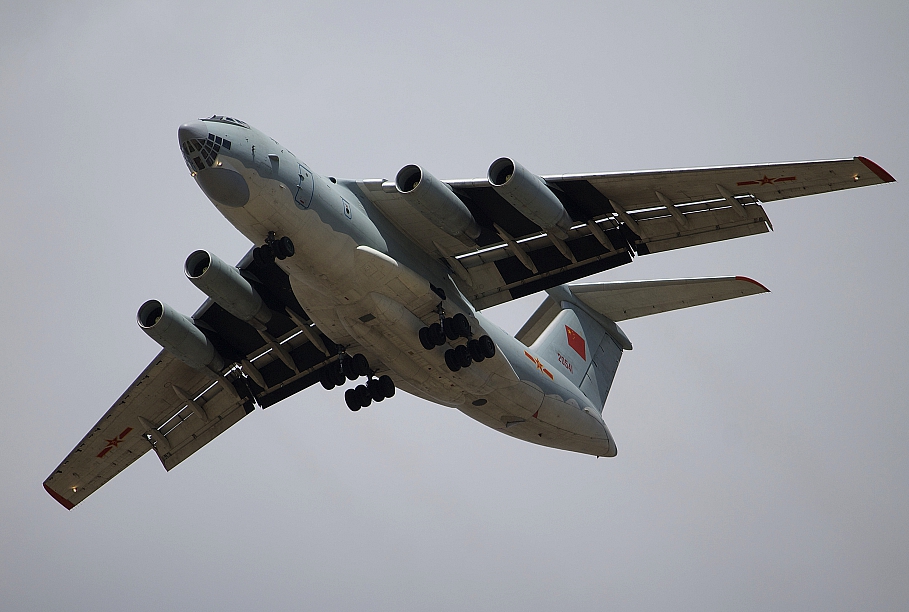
x=178 y=334
x=436 y=201
x=224 y=284
x=529 y=193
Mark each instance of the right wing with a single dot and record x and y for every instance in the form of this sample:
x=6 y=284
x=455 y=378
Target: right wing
x=176 y=410
x=618 y=215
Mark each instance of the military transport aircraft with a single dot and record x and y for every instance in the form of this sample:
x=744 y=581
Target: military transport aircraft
x=382 y=282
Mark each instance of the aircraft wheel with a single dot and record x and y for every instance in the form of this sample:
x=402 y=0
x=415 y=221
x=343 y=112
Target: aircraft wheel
x=326 y=379
x=387 y=385
x=347 y=368
x=487 y=346
x=263 y=255
x=436 y=334
x=463 y=356
x=451 y=361
x=476 y=353
x=352 y=398
x=448 y=327
x=461 y=325
x=336 y=374
x=425 y=340
x=375 y=390
x=359 y=364
x=284 y=247
x=363 y=395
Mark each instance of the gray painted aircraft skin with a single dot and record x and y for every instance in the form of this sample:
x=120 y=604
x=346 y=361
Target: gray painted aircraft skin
x=346 y=270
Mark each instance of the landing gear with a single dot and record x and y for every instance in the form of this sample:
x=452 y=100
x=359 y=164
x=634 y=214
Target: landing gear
x=432 y=336
x=474 y=351
x=450 y=329
x=274 y=248
x=351 y=368
x=375 y=390
x=283 y=248
x=332 y=376
x=352 y=399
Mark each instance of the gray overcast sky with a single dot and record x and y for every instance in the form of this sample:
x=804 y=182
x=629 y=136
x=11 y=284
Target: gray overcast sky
x=762 y=442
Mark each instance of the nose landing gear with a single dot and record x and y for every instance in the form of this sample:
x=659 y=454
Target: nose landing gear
x=274 y=248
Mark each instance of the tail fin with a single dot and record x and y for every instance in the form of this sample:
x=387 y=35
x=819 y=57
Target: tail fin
x=579 y=341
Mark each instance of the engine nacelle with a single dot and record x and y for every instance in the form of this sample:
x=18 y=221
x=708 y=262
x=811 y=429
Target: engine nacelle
x=436 y=201
x=224 y=284
x=529 y=194
x=177 y=333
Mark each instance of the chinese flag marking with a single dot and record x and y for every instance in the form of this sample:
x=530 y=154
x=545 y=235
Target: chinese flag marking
x=576 y=342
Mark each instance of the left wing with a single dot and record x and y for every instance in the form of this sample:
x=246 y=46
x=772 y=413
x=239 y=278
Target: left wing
x=176 y=410
x=618 y=215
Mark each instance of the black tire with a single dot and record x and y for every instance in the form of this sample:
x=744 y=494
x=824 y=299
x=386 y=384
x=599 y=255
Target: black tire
x=425 y=340
x=352 y=399
x=375 y=390
x=286 y=246
x=476 y=353
x=387 y=385
x=263 y=255
x=363 y=394
x=487 y=347
x=347 y=368
x=449 y=329
x=359 y=364
x=452 y=361
x=337 y=375
x=461 y=325
x=326 y=379
x=463 y=356
x=436 y=334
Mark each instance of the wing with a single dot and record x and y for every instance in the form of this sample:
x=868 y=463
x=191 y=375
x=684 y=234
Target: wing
x=176 y=410
x=618 y=215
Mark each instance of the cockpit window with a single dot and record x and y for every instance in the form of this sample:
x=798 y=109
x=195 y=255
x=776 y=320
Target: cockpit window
x=230 y=120
x=207 y=151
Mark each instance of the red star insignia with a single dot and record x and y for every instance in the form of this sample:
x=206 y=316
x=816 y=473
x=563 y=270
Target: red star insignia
x=111 y=444
x=766 y=180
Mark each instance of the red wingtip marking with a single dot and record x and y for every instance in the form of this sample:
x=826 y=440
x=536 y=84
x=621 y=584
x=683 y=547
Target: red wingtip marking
x=880 y=172
x=63 y=501
x=751 y=280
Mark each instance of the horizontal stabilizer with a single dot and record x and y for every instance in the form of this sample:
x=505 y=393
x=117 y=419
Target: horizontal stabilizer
x=623 y=300
x=620 y=301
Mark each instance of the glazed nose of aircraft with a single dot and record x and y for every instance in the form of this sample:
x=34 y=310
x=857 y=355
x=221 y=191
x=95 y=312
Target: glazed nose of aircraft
x=194 y=130
x=200 y=150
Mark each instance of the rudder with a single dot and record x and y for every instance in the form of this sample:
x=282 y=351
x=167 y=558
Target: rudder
x=586 y=352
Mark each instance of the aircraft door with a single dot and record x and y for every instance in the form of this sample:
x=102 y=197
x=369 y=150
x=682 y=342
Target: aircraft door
x=305 y=187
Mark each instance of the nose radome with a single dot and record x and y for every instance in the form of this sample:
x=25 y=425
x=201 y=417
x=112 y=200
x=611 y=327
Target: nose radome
x=193 y=129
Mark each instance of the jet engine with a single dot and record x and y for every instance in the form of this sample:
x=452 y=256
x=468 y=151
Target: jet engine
x=530 y=195
x=436 y=201
x=177 y=333
x=224 y=284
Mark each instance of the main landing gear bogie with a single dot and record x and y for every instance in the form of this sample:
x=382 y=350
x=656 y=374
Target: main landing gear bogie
x=450 y=329
x=351 y=368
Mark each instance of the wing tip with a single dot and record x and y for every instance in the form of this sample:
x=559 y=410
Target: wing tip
x=751 y=280
x=62 y=500
x=880 y=172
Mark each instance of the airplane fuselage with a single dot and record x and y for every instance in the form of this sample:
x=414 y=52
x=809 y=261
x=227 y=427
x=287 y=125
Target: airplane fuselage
x=367 y=285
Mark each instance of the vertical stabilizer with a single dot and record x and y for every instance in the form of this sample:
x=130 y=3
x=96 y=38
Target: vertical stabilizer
x=578 y=342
